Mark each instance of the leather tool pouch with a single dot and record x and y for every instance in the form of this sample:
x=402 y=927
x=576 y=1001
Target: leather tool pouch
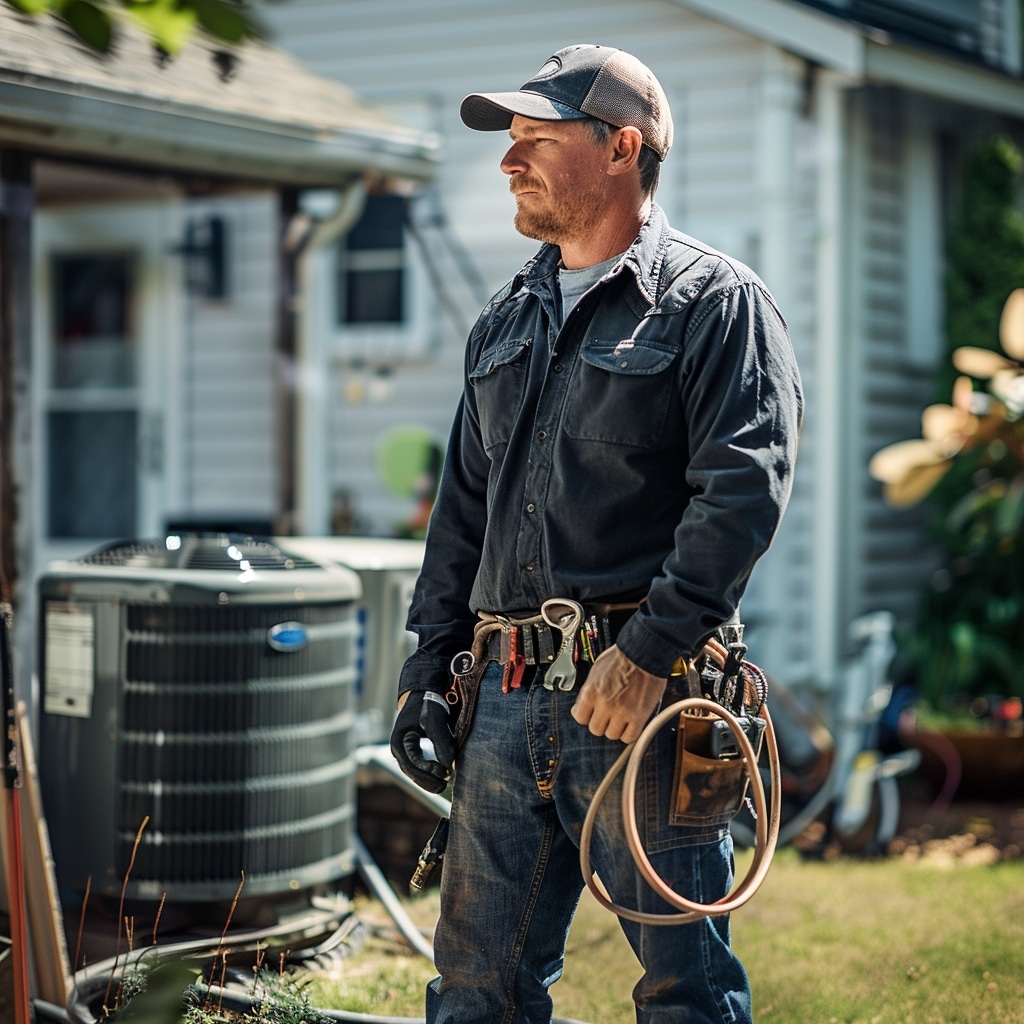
x=711 y=777
x=463 y=694
x=708 y=785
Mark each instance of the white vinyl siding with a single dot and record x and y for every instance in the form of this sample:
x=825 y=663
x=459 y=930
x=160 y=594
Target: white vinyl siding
x=885 y=549
x=229 y=446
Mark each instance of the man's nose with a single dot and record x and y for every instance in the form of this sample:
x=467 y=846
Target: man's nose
x=512 y=162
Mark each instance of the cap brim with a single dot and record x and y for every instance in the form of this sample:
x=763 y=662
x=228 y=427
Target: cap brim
x=493 y=111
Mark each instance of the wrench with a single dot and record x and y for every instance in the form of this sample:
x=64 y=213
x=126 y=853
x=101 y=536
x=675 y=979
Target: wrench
x=566 y=616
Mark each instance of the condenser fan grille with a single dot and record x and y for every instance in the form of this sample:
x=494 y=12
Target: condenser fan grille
x=238 y=753
x=207 y=643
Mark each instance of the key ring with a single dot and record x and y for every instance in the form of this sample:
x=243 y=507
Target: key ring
x=462 y=664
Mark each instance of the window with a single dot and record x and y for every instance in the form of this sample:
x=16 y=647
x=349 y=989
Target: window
x=371 y=265
x=93 y=344
x=371 y=303
x=92 y=473
x=92 y=419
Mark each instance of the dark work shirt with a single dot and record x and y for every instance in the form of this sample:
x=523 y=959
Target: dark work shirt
x=642 y=449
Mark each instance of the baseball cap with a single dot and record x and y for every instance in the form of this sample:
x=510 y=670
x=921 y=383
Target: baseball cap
x=582 y=81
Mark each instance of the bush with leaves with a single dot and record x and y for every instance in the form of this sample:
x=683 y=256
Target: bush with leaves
x=968 y=467
x=169 y=23
x=985 y=252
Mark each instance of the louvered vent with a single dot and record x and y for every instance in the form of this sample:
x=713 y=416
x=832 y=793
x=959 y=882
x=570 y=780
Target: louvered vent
x=222 y=552
x=222 y=696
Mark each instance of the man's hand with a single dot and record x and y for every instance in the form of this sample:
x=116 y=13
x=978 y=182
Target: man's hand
x=423 y=714
x=618 y=698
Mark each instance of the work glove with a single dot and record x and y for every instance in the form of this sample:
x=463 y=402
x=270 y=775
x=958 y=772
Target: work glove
x=422 y=715
x=618 y=698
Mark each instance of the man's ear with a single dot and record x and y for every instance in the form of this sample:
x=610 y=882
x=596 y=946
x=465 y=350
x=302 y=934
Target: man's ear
x=625 y=143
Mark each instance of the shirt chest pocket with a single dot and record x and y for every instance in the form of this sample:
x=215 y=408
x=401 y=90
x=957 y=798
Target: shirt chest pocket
x=621 y=392
x=499 y=382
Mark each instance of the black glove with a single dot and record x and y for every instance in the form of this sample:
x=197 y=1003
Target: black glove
x=424 y=715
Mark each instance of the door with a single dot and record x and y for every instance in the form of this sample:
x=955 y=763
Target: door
x=106 y=376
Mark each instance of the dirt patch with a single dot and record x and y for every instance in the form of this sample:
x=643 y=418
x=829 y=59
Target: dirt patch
x=969 y=832
x=972 y=831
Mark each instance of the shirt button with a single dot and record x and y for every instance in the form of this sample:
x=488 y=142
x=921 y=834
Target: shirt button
x=529 y=568
x=557 y=368
x=531 y=507
x=541 y=434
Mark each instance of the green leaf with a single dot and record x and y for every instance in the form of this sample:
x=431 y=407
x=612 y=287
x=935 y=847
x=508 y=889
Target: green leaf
x=32 y=6
x=996 y=669
x=221 y=19
x=90 y=23
x=1010 y=512
x=168 y=25
x=967 y=509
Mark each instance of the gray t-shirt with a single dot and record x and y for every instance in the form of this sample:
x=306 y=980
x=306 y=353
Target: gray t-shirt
x=574 y=283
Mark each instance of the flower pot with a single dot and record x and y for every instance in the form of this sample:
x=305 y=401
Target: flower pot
x=990 y=764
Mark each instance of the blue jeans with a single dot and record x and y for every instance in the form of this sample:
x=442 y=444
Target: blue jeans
x=512 y=880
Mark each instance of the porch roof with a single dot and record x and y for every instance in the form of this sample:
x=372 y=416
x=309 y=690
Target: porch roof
x=270 y=121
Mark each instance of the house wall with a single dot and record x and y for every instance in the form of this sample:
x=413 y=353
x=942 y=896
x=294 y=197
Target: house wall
x=903 y=185
x=882 y=553
x=229 y=442
x=740 y=177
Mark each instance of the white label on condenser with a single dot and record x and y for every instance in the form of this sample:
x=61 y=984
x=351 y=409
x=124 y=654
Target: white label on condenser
x=70 y=642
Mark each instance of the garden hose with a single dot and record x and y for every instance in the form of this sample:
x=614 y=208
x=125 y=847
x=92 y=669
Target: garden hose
x=766 y=820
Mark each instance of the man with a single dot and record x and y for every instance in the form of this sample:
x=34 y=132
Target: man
x=625 y=441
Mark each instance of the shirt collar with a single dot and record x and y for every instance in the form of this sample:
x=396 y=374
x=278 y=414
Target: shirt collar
x=643 y=258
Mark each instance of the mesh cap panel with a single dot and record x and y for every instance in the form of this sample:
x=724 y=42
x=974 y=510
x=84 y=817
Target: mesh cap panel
x=626 y=93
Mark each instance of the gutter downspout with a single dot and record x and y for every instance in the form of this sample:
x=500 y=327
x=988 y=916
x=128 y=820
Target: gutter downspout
x=830 y=403
x=312 y=379
x=774 y=255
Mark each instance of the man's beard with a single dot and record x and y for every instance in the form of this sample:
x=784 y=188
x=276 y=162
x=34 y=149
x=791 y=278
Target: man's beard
x=551 y=221
x=543 y=225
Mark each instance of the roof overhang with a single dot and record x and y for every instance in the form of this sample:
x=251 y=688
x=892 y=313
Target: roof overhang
x=816 y=37
x=44 y=118
x=948 y=79
x=864 y=55
x=272 y=122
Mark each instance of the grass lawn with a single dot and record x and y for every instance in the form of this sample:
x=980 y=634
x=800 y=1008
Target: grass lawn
x=891 y=941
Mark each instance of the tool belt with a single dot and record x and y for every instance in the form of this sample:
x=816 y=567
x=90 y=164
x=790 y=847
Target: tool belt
x=563 y=633
x=537 y=641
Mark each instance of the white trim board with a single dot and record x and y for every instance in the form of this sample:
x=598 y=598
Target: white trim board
x=862 y=55
x=948 y=79
x=807 y=33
